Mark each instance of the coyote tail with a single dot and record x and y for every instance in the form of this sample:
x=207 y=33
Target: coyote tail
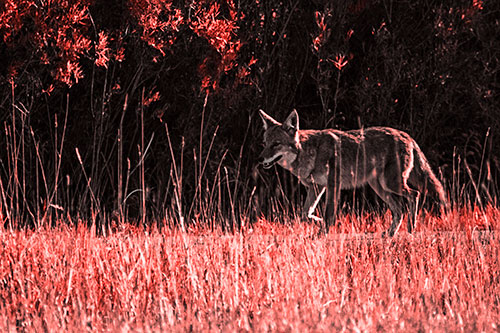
x=431 y=182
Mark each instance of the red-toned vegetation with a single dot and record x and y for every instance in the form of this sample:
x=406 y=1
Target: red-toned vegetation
x=105 y=77
x=270 y=276
x=118 y=114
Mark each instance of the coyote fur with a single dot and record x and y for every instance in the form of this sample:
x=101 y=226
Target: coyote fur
x=387 y=159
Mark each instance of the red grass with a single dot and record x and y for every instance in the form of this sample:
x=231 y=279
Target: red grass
x=269 y=277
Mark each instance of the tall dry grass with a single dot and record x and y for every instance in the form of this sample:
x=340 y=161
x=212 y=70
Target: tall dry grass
x=270 y=276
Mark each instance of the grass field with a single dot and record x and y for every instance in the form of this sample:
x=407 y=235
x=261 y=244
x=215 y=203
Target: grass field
x=271 y=276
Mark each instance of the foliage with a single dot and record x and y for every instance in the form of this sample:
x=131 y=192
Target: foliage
x=107 y=82
x=130 y=198
x=271 y=276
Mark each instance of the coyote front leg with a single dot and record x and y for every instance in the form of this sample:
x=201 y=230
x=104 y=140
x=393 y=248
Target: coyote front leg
x=332 y=198
x=311 y=202
x=333 y=189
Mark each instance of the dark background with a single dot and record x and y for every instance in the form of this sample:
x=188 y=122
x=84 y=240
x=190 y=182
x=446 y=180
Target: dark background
x=74 y=74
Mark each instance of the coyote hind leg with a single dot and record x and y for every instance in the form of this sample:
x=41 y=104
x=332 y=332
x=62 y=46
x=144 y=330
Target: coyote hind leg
x=393 y=202
x=413 y=197
x=394 y=198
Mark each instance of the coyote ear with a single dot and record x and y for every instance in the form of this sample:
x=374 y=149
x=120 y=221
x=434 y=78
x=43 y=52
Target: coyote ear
x=267 y=120
x=291 y=123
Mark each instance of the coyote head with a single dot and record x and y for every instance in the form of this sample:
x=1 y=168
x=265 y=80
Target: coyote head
x=280 y=140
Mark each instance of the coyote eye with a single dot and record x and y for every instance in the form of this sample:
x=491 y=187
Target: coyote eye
x=275 y=145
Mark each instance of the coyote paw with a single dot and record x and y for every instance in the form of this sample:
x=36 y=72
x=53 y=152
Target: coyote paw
x=315 y=218
x=311 y=217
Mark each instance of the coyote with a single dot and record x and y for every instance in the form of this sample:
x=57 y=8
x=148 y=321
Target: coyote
x=389 y=160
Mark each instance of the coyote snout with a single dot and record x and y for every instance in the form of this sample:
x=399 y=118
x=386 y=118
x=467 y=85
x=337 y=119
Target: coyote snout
x=268 y=160
x=387 y=159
